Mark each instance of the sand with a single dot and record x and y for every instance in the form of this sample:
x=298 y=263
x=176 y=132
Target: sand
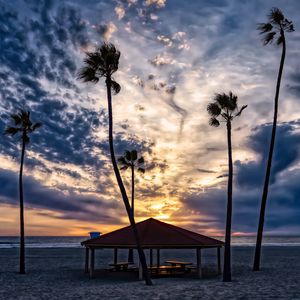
x=58 y=274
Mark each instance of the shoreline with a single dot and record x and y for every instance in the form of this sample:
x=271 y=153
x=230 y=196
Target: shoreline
x=81 y=247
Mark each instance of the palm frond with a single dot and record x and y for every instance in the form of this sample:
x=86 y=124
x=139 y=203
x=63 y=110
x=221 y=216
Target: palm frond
x=142 y=170
x=116 y=88
x=12 y=130
x=276 y=16
x=277 y=24
x=222 y=100
x=122 y=160
x=24 y=125
x=268 y=38
x=87 y=74
x=17 y=119
x=264 y=27
x=133 y=155
x=125 y=167
x=214 y=122
x=279 y=41
x=141 y=160
x=241 y=110
x=290 y=27
x=111 y=57
x=213 y=109
x=94 y=60
x=36 y=126
x=232 y=101
x=127 y=155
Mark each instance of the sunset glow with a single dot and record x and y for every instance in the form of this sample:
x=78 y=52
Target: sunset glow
x=171 y=66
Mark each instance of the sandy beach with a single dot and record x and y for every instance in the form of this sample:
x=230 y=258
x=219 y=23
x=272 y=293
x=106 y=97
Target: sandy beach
x=58 y=274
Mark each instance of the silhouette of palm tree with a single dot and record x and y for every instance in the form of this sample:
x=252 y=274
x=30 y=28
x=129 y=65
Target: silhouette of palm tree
x=103 y=63
x=275 y=28
x=131 y=160
x=24 y=127
x=226 y=109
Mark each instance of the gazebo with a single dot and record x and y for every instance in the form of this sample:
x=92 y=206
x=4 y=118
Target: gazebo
x=154 y=235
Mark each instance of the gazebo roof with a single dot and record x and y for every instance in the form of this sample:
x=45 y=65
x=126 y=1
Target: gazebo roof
x=153 y=234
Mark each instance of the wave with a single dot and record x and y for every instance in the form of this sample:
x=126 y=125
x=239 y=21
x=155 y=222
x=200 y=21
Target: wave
x=40 y=245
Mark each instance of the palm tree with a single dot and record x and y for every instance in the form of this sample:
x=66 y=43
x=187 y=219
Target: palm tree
x=224 y=107
x=23 y=126
x=103 y=63
x=275 y=28
x=131 y=160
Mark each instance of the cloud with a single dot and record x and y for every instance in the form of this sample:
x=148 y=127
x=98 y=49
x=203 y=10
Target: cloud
x=286 y=153
x=162 y=60
x=157 y=3
x=120 y=12
x=282 y=202
x=70 y=205
x=294 y=87
x=205 y=171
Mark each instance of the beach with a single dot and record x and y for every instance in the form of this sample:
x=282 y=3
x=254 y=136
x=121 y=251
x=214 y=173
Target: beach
x=58 y=273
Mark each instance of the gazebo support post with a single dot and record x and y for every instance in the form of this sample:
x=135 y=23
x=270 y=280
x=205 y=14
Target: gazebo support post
x=92 y=262
x=87 y=254
x=140 y=271
x=199 y=263
x=157 y=260
x=115 y=255
x=219 y=261
x=151 y=258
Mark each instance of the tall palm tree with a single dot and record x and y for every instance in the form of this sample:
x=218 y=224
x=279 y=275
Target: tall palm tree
x=131 y=160
x=275 y=29
x=23 y=126
x=103 y=63
x=224 y=108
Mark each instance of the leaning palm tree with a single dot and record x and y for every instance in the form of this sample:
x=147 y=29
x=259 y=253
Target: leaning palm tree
x=275 y=29
x=103 y=63
x=130 y=160
x=23 y=126
x=224 y=108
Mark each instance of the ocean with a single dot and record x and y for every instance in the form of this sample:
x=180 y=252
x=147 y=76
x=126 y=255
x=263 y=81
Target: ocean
x=74 y=242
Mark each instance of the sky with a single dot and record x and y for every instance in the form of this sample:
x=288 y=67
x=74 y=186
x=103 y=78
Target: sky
x=175 y=55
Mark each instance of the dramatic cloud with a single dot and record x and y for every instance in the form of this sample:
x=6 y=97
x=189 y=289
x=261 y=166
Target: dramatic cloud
x=251 y=173
x=67 y=203
x=174 y=56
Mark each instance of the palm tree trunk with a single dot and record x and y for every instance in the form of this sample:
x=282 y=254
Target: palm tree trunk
x=22 y=231
x=130 y=251
x=122 y=188
x=256 y=264
x=227 y=253
x=132 y=190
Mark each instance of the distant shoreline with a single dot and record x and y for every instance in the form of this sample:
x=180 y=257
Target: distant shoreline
x=40 y=242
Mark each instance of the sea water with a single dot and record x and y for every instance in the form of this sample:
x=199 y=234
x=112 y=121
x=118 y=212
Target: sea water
x=74 y=241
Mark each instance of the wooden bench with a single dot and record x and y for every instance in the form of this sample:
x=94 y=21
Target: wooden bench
x=164 y=270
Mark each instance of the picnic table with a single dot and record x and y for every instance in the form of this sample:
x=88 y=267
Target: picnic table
x=177 y=263
x=120 y=266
